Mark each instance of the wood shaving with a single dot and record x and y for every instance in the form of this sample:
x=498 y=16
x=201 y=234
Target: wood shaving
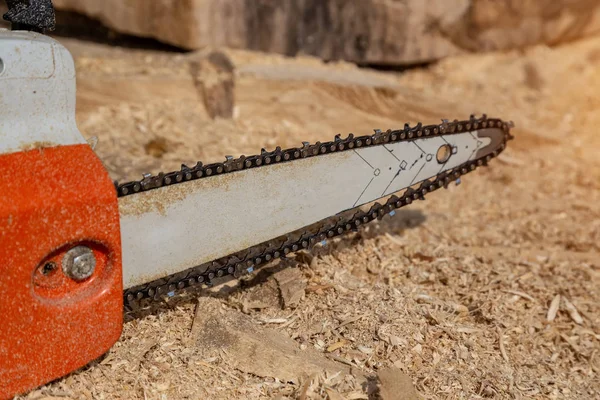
x=573 y=313
x=501 y=345
x=337 y=345
x=520 y=294
x=551 y=315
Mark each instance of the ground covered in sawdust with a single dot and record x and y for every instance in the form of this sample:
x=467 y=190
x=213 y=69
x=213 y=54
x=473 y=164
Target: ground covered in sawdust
x=487 y=290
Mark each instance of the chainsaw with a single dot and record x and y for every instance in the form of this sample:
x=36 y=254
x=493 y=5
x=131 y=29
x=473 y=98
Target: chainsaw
x=77 y=247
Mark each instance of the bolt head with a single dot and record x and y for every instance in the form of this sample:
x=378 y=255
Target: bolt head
x=79 y=263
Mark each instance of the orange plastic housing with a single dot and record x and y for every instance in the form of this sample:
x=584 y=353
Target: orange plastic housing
x=51 y=200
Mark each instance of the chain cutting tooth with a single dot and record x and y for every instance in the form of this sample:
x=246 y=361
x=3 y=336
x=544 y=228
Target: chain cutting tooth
x=379 y=136
x=187 y=172
x=229 y=163
x=444 y=126
x=453 y=125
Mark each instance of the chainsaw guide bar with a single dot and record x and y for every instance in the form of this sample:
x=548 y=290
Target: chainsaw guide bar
x=246 y=261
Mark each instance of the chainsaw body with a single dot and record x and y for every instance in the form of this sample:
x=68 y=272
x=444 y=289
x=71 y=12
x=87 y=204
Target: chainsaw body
x=55 y=196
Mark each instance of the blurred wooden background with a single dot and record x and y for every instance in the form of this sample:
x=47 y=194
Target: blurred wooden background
x=376 y=32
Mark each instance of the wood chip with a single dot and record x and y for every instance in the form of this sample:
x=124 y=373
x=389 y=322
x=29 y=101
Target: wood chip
x=274 y=321
x=337 y=345
x=520 y=294
x=357 y=396
x=305 y=388
x=214 y=78
x=423 y=257
x=395 y=340
x=466 y=329
x=570 y=343
x=458 y=309
x=573 y=313
x=526 y=275
x=553 y=308
x=341 y=359
x=501 y=344
x=424 y=298
x=317 y=288
x=365 y=350
x=351 y=320
x=418 y=348
x=333 y=395
x=291 y=285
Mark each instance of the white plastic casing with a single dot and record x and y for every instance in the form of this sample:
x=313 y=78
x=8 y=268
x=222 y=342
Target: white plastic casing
x=37 y=93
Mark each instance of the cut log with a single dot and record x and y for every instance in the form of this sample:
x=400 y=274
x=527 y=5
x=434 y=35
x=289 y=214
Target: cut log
x=383 y=32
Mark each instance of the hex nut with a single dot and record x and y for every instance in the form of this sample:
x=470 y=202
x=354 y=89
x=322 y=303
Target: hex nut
x=79 y=263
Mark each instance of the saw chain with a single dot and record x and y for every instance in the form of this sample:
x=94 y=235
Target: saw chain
x=246 y=261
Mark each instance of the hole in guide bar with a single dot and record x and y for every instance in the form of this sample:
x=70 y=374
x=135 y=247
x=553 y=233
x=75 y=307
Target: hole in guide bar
x=1 y=66
x=444 y=153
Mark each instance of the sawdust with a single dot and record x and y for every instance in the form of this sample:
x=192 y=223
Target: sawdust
x=153 y=201
x=37 y=145
x=456 y=292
